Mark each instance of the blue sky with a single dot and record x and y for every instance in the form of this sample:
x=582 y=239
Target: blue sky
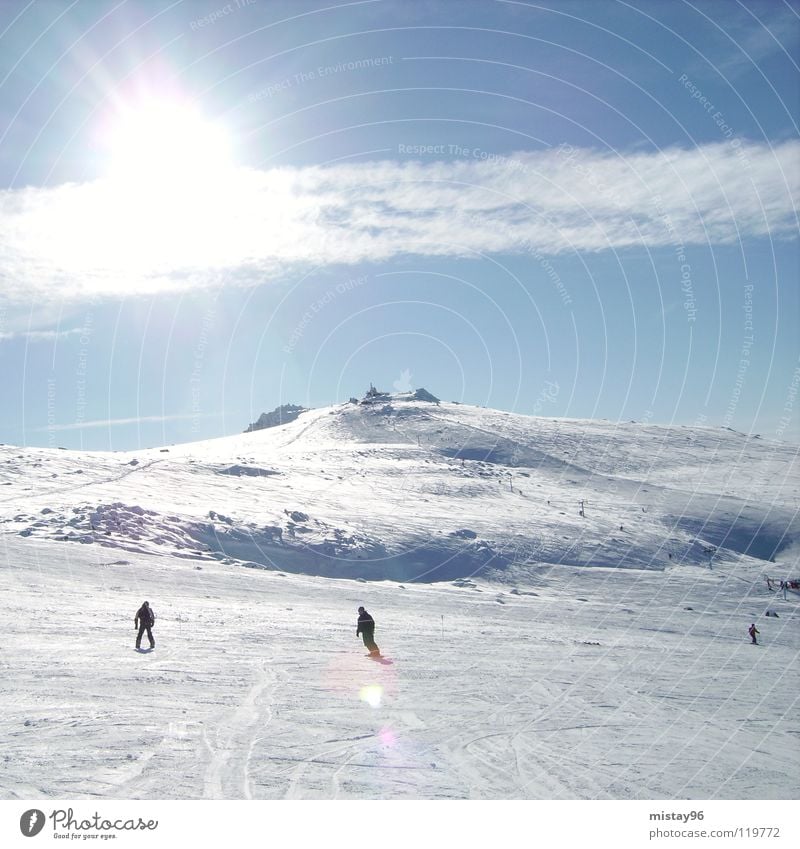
x=582 y=209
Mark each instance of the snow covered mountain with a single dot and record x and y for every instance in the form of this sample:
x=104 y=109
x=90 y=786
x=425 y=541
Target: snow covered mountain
x=519 y=661
x=409 y=489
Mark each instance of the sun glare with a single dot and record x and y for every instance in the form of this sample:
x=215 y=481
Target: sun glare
x=171 y=184
x=166 y=144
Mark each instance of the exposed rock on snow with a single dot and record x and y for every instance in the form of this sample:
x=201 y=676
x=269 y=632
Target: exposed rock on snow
x=247 y=471
x=279 y=416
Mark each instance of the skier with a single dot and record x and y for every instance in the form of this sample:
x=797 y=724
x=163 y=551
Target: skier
x=144 y=621
x=366 y=629
x=752 y=630
x=784 y=584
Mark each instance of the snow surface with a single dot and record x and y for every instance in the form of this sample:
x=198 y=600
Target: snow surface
x=530 y=652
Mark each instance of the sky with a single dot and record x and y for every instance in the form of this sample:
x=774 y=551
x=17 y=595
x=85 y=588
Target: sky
x=581 y=209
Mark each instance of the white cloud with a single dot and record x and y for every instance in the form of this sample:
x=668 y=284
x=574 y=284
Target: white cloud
x=751 y=36
x=128 y=421
x=95 y=239
x=41 y=335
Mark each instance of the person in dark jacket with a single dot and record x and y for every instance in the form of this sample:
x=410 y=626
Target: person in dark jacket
x=752 y=630
x=366 y=629
x=144 y=621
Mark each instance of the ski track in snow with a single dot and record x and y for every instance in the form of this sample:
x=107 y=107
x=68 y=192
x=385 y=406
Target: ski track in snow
x=228 y=774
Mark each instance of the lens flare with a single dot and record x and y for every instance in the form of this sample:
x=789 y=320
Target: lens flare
x=371 y=694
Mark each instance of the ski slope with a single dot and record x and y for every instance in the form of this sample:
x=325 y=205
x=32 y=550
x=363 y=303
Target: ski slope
x=530 y=652
x=410 y=490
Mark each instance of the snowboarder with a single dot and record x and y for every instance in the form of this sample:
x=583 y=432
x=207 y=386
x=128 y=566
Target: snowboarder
x=752 y=630
x=144 y=621
x=366 y=629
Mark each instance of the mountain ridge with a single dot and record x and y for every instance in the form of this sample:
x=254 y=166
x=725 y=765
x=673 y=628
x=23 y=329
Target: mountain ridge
x=409 y=489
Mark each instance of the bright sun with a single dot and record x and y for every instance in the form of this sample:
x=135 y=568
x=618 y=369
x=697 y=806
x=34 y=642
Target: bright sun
x=171 y=184
x=166 y=144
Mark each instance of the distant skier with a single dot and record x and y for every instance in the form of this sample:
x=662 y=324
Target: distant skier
x=752 y=630
x=144 y=621
x=366 y=629
x=784 y=584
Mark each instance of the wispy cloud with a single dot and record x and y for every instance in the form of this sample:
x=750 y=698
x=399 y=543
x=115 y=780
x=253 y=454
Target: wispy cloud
x=41 y=335
x=88 y=240
x=129 y=421
x=751 y=35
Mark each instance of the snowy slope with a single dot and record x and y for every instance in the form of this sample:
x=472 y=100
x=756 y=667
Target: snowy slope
x=412 y=490
x=585 y=684
x=520 y=664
